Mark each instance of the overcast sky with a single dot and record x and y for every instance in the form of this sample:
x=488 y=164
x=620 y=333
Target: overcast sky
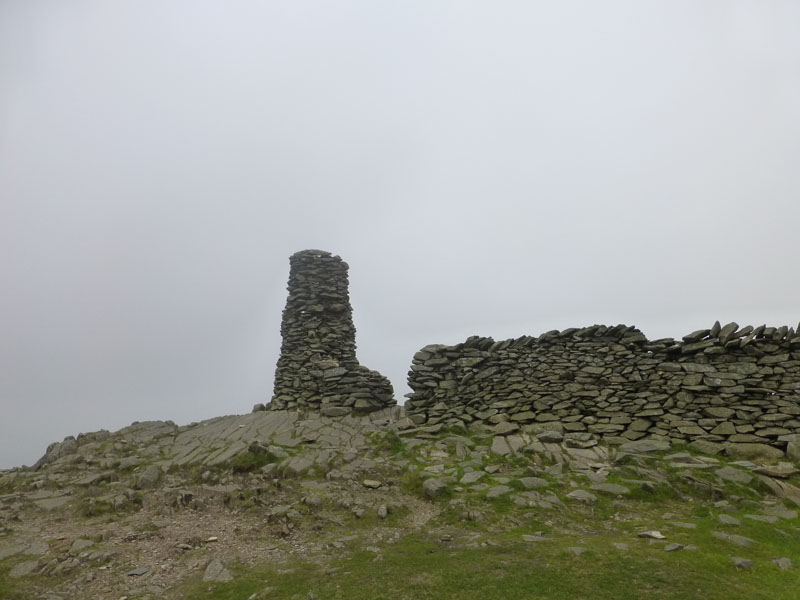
x=492 y=168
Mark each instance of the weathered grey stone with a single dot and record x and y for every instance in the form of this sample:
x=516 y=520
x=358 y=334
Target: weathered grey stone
x=24 y=568
x=216 y=571
x=500 y=446
x=742 y=564
x=79 y=546
x=724 y=428
x=497 y=491
x=295 y=465
x=37 y=548
x=433 y=487
x=783 y=563
x=150 y=477
x=551 y=437
x=728 y=520
x=611 y=489
x=530 y=483
x=648 y=445
x=782 y=470
x=472 y=477
x=762 y=518
x=582 y=496
x=652 y=534
x=505 y=427
x=334 y=411
x=734 y=475
x=51 y=504
x=706 y=447
x=782 y=489
x=753 y=450
x=793 y=451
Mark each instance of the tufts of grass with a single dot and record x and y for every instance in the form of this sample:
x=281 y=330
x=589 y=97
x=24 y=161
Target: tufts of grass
x=391 y=443
x=416 y=567
x=247 y=462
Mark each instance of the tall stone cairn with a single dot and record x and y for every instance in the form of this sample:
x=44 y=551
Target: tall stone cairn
x=318 y=370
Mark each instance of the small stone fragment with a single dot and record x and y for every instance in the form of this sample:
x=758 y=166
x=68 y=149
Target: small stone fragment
x=652 y=534
x=784 y=564
x=742 y=563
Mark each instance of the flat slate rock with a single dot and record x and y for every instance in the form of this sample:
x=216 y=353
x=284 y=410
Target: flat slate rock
x=610 y=488
x=48 y=504
x=782 y=470
x=582 y=496
x=683 y=524
x=653 y=535
x=498 y=491
x=734 y=475
x=728 y=520
x=472 y=477
x=24 y=568
x=739 y=540
x=763 y=518
x=530 y=483
x=500 y=446
x=645 y=446
x=753 y=450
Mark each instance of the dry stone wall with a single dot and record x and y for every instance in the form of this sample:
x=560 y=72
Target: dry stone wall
x=318 y=370
x=724 y=387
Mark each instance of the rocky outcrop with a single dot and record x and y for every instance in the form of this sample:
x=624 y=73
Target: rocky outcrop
x=318 y=370
x=727 y=386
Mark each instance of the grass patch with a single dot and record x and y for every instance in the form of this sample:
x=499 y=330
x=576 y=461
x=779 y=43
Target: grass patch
x=247 y=462
x=416 y=568
x=391 y=443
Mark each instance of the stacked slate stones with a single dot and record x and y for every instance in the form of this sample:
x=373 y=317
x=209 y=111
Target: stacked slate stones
x=317 y=370
x=717 y=387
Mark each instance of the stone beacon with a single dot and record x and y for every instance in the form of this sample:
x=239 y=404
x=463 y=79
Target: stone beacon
x=318 y=370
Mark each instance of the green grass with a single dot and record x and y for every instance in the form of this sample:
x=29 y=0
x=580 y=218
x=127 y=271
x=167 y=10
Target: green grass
x=247 y=462
x=416 y=568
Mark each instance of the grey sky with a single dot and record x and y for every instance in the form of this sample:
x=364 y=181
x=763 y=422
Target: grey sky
x=493 y=168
